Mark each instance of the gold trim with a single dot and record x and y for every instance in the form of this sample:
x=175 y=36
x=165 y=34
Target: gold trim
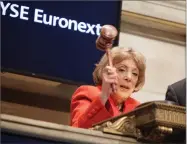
x=151 y=121
x=123 y=126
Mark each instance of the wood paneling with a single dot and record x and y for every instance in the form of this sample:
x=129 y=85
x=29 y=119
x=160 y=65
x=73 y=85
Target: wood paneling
x=36 y=98
x=37 y=85
x=35 y=113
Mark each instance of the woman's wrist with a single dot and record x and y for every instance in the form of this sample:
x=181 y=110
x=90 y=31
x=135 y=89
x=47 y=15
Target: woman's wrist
x=104 y=97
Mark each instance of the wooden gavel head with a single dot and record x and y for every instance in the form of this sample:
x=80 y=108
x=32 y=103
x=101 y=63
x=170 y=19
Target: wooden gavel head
x=106 y=38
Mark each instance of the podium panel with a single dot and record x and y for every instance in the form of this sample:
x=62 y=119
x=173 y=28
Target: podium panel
x=8 y=137
x=28 y=131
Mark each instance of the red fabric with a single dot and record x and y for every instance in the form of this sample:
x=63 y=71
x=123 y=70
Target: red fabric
x=87 y=108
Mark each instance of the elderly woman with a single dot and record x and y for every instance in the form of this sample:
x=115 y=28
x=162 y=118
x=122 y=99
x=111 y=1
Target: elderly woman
x=92 y=104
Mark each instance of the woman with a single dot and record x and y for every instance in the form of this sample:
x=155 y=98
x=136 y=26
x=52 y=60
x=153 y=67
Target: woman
x=92 y=104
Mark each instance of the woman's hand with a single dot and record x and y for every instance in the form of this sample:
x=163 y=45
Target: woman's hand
x=109 y=77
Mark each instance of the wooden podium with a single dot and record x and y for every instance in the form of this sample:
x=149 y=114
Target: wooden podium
x=21 y=130
x=160 y=121
x=152 y=122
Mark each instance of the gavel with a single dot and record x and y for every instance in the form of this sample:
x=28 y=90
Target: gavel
x=105 y=42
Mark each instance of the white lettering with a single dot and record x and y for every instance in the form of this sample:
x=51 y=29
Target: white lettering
x=98 y=27
x=24 y=12
x=82 y=27
x=16 y=13
x=40 y=17
x=70 y=24
x=65 y=23
x=55 y=18
x=90 y=29
x=4 y=8
x=37 y=15
x=49 y=22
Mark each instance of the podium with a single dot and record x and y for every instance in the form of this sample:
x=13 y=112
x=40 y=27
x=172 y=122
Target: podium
x=16 y=129
x=152 y=122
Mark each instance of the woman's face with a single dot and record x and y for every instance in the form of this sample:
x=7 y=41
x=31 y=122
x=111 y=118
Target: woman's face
x=128 y=74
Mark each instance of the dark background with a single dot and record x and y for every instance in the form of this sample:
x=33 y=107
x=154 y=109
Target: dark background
x=52 y=52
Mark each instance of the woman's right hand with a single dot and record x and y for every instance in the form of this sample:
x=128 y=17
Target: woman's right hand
x=109 y=77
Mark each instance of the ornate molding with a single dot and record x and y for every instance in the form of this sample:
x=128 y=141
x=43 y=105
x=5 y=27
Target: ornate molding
x=122 y=126
x=166 y=10
x=152 y=121
x=153 y=28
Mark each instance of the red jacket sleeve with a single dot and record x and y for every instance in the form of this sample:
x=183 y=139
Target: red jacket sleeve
x=87 y=108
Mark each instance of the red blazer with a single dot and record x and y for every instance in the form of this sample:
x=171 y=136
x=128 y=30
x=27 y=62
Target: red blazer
x=87 y=108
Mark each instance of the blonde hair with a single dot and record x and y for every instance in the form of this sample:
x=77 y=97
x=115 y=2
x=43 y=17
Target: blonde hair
x=119 y=54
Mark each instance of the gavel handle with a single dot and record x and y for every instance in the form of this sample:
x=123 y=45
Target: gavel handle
x=110 y=64
x=108 y=52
